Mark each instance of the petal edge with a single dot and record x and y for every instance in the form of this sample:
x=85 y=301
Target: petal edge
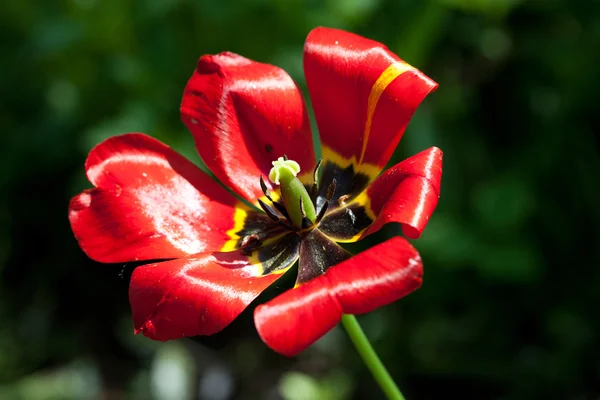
x=150 y=203
x=297 y=318
x=202 y=294
x=243 y=115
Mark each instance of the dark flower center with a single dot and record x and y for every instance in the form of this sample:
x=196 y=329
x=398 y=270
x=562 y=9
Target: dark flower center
x=298 y=210
x=296 y=214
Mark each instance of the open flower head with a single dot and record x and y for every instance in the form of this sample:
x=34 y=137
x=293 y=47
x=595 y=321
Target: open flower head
x=249 y=121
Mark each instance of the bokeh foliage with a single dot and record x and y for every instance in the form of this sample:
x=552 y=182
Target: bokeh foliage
x=509 y=305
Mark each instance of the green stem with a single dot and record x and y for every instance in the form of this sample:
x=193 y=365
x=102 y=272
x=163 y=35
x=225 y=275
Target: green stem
x=370 y=358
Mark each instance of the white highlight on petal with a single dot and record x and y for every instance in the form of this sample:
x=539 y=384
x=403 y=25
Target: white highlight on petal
x=85 y=199
x=172 y=207
x=95 y=171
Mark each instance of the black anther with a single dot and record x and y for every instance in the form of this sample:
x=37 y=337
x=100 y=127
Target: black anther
x=306 y=223
x=265 y=189
x=281 y=208
x=287 y=225
x=268 y=210
x=322 y=212
x=330 y=190
x=316 y=172
x=302 y=210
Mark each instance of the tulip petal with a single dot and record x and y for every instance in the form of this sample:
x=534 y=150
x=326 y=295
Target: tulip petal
x=244 y=115
x=363 y=96
x=151 y=203
x=376 y=277
x=202 y=294
x=407 y=193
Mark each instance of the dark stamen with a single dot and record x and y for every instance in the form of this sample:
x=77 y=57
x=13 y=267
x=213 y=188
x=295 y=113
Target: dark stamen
x=281 y=208
x=287 y=225
x=285 y=157
x=315 y=187
x=314 y=190
x=306 y=223
x=322 y=212
x=268 y=210
x=302 y=210
x=330 y=190
x=316 y=171
x=265 y=189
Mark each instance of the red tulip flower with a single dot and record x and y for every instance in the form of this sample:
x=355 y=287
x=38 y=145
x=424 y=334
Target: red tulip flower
x=218 y=254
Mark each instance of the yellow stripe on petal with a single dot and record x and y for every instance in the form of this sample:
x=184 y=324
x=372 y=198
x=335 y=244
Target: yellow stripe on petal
x=368 y=169
x=239 y=217
x=386 y=77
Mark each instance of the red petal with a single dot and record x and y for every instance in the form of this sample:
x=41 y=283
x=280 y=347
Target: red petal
x=407 y=193
x=381 y=275
x=150 y=203
x=202 y=294
x=243 y=115
x=363 y=96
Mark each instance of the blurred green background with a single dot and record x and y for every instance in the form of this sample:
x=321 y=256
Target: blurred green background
x=509 y=306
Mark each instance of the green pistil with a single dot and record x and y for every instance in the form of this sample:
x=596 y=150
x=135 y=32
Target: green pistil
x=295 y=198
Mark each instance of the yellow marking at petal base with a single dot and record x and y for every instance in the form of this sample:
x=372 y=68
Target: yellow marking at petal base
x=275 y=195
x=372 y=171
x=257 y=266
x=258 y=270
x=306 y=177
x=386 y=77
x=368 y=169
x=239 y=217
x=364 y=201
